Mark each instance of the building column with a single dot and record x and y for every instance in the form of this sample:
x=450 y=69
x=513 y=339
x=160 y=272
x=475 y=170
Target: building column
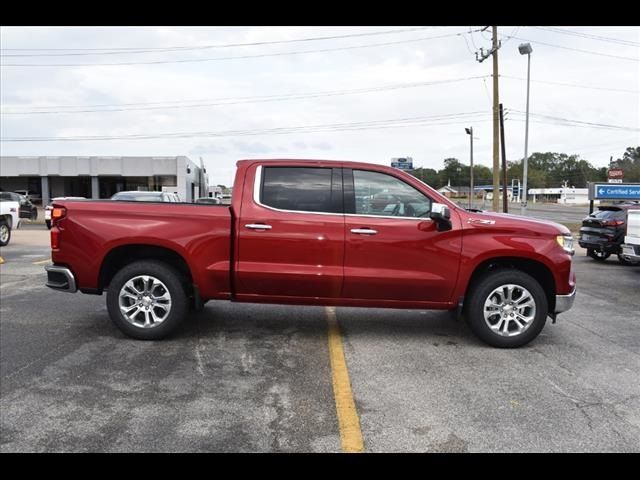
x=95 y=188
x=44 y=186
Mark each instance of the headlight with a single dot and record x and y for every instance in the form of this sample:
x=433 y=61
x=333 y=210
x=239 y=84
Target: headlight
x=566 y=242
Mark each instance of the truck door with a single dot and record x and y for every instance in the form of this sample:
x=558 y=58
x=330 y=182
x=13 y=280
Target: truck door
x=393 y=251
x=290 y=232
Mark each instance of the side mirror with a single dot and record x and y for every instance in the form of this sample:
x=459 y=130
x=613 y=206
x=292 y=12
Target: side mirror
x=441 y=215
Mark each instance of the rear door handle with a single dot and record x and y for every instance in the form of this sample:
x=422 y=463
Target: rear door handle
x=364 y=231
x=258 y=226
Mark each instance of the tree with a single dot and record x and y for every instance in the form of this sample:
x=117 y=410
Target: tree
x=630 y=164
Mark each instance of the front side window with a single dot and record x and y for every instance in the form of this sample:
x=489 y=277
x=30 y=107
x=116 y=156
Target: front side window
x=306 y=189
x=381 y=194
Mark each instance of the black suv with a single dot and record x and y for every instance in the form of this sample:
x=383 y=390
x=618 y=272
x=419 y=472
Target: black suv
x=602 y=232
x=27 y=209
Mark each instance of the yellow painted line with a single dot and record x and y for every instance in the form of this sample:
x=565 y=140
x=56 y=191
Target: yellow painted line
x=348 y=420
x=40 y=262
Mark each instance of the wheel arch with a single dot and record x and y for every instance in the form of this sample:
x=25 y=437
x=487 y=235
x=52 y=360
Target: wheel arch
x=536 y=269
x=123 y=255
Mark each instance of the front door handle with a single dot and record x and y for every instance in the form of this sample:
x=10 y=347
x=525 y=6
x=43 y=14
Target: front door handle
x=364 y=231
x=258 y=226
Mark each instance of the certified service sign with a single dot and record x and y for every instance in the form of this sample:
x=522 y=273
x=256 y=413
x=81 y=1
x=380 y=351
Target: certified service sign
x=616 y=191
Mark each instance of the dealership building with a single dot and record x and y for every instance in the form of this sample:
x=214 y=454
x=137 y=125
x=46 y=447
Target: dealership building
x=101 y=177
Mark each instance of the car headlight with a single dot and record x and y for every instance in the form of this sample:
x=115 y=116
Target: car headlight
x=566 y=242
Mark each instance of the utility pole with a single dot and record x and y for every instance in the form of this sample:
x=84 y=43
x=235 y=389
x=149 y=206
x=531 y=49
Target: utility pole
x=495 y=45
x=471 y=192
x=496 y=130
x=505 y=208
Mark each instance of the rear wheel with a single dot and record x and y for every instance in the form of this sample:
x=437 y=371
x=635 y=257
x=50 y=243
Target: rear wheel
x=598 y=255
x=5 y=233
x=48 y=222
x=507 y=308
x=146 y=300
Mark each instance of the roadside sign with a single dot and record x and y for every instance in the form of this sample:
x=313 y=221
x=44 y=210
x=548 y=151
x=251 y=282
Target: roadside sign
x=619 y=191
x=402 y=163
x=616 y=173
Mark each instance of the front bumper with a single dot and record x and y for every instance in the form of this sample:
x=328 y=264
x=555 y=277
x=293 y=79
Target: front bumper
x=60 y=278
x=564 y=302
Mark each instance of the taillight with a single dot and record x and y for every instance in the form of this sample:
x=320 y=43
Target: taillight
x=55 y=238
x=613 y=223
x=57 y=213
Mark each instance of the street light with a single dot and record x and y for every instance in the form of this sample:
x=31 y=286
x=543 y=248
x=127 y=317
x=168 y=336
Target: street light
x=470 y=133
x=525 y=49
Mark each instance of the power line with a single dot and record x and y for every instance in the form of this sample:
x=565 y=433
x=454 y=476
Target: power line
x=231 y=100
x=575 y=85
x=563 y=31
x=299 y=52
x=434 y=120
x=579 y=50
x=136 y=50
x=577 y=122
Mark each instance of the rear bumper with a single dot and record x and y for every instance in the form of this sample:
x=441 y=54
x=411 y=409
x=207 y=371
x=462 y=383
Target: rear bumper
x=60 y=278
x=565 y=302
x=631 y=251
x=604 y=246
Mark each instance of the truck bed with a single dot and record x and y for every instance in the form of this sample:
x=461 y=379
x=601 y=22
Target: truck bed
x=94 y=229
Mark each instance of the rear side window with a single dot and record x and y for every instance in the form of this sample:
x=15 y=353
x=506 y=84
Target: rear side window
x=306 y=189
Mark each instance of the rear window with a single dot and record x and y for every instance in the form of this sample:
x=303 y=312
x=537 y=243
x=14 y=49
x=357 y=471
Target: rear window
x=305 y=189
x=609 y=214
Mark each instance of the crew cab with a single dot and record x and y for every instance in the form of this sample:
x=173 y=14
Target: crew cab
x=315 y=232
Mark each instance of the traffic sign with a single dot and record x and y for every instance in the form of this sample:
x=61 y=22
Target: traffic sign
x=618 y=191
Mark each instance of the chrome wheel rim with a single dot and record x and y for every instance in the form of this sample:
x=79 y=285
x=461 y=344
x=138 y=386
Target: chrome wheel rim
x=145 y=301
x=4 y=233
x=509 y=310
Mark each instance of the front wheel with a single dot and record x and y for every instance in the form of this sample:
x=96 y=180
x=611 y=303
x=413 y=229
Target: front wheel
x=146 y=300
x=598 y=255
x=507 y=308
x=5 y=233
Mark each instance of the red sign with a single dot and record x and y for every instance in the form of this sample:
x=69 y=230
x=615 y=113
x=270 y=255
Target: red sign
x=616 y=173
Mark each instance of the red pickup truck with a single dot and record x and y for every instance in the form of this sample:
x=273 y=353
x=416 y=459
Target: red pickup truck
x=309 y=232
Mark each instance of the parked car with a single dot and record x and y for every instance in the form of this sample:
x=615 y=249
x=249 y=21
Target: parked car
x=295 y=234
x=27 y=208
x=48 y=208
x=631 y=245
x=137 y=196
x=9 y=219
x=602 y=232
x=32 y=196
x=209 y=200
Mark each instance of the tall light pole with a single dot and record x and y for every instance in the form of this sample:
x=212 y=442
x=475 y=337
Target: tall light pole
x=470 y=133
x=525 y=49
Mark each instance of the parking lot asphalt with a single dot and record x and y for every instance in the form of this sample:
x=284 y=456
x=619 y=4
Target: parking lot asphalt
x=258 y=378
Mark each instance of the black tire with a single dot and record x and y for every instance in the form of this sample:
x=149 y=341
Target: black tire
x=34 y=215
x=479 y=294
x=174 y=285
x=598 y=255
x=48 y=222
x=630 y=263
x=5 y=231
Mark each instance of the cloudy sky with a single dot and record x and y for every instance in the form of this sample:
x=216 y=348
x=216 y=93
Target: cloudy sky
x=364 y=93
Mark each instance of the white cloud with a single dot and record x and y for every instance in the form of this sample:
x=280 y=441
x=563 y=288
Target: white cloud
x=429 y=60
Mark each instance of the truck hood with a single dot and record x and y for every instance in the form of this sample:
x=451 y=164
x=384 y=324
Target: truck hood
x=514 y=222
